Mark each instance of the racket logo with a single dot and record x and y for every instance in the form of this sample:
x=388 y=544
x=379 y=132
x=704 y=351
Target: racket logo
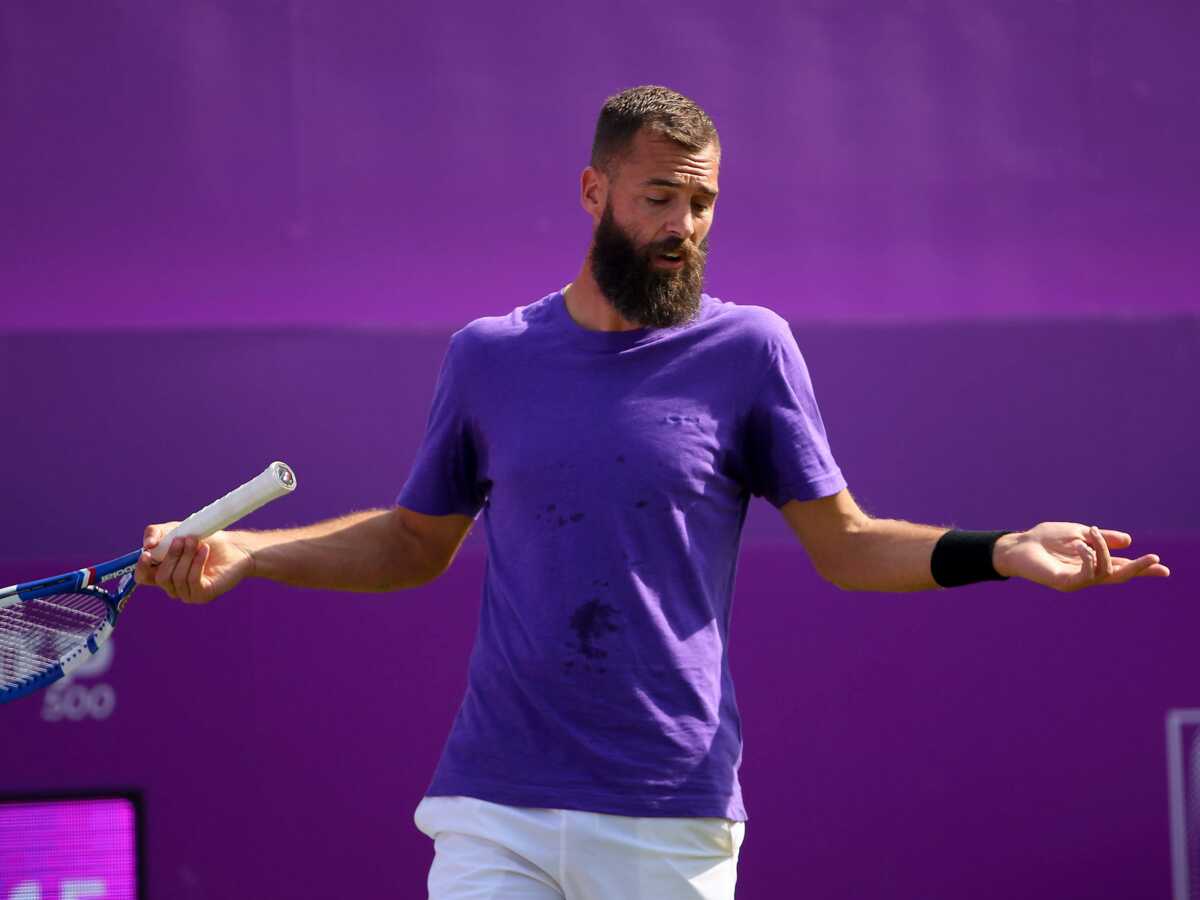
x=128 y=570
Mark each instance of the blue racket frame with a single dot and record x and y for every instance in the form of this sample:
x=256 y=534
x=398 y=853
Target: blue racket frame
x=80 y=581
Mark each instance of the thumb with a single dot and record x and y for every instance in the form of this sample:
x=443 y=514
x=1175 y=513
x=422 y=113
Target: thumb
x=155 y=533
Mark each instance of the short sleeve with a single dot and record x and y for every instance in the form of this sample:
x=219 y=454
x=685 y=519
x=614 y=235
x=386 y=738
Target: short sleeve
x=786 y=450
x=445 y=479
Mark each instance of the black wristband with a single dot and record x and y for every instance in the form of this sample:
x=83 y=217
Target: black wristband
x=965 y=557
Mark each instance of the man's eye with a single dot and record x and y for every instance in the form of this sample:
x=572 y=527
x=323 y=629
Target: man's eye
x=657 y=201
x=700 y=208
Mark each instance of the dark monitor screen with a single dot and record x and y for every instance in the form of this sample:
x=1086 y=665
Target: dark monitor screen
x=68 y=848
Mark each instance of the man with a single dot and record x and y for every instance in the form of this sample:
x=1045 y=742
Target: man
x=612 y=434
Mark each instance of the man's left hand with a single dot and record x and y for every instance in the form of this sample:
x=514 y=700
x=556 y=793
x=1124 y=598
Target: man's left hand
x=1067 y=556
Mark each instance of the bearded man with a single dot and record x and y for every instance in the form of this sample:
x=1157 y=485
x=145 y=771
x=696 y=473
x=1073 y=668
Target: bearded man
x=611 y=435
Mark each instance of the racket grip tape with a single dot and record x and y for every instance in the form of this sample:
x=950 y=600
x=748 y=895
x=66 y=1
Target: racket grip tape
x=275 y=481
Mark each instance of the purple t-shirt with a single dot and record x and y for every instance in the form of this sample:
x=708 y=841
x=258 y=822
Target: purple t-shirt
x=613 y=470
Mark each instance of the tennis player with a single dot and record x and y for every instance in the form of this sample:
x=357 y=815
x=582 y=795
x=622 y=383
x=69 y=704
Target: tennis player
x=612 y=434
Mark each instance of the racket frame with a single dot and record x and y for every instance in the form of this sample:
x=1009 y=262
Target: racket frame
x=80 y=581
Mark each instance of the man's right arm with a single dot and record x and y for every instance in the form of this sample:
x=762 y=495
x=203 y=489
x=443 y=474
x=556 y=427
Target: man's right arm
x=375 y=550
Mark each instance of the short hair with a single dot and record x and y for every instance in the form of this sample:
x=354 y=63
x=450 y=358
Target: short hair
x=662 y=110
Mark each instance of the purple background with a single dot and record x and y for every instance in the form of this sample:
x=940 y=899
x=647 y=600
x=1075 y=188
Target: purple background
x=253 y=162
x=235 y=232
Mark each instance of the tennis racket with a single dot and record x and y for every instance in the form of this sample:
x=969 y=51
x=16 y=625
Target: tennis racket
x=51 y=626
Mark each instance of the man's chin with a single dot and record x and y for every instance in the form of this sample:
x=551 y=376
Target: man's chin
x=661 y=311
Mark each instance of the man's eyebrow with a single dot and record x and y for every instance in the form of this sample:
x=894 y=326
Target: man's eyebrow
x=673 y=183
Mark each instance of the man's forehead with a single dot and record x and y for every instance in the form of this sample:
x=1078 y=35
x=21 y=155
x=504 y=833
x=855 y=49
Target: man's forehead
x=653 y=158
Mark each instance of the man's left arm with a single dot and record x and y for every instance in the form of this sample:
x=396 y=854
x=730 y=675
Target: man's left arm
x=860 y=553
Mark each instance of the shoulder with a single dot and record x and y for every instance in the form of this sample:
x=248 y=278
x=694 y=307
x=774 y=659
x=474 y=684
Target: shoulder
x=752 y=328
x=489 y=335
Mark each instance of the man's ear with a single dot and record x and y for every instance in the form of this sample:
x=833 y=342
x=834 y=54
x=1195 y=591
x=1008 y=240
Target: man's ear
x=593 y=192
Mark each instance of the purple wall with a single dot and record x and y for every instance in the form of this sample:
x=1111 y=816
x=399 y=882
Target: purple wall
x=273 y=163
x=994 y=742
x=257 y=216
x=977 y=425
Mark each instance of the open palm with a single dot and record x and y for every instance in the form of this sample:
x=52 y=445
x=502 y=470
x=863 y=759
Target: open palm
x=1068 y=556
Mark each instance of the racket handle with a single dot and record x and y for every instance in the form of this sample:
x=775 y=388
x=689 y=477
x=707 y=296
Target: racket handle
x=275 y=481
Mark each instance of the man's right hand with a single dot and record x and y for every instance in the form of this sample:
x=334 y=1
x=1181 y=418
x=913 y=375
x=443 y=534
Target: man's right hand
x=194 y=571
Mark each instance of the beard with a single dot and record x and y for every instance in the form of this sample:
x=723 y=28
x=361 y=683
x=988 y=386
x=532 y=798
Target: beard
x=640 y=292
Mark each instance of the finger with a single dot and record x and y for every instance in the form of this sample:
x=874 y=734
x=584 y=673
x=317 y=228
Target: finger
x=183 y=567
x=1117 y=540
x=1104 y=566
x=1131 y=568
x=196 y=574
x=164 y=576
x=1071 y=579
x=1087 y=556
x=144 y=573
x=154 y=534
x=151 y=536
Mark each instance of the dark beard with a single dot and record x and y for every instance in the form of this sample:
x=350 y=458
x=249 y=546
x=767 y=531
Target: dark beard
x=641 y=293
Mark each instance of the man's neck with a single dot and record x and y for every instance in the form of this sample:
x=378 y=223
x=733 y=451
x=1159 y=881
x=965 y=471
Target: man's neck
x=590 y=308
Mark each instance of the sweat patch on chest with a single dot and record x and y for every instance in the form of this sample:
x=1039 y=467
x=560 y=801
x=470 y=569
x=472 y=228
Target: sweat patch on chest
x=591 y=622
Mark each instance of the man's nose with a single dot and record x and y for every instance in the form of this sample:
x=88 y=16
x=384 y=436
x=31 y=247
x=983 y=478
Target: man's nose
x=681 y=224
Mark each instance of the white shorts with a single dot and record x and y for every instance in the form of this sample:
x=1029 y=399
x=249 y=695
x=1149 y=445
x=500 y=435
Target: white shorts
x=484 y=850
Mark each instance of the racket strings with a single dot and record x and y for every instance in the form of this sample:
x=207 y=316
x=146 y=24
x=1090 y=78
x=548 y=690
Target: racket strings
x=36 y=634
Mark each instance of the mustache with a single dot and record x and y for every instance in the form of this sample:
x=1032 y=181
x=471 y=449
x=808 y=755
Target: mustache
x=686 y=249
